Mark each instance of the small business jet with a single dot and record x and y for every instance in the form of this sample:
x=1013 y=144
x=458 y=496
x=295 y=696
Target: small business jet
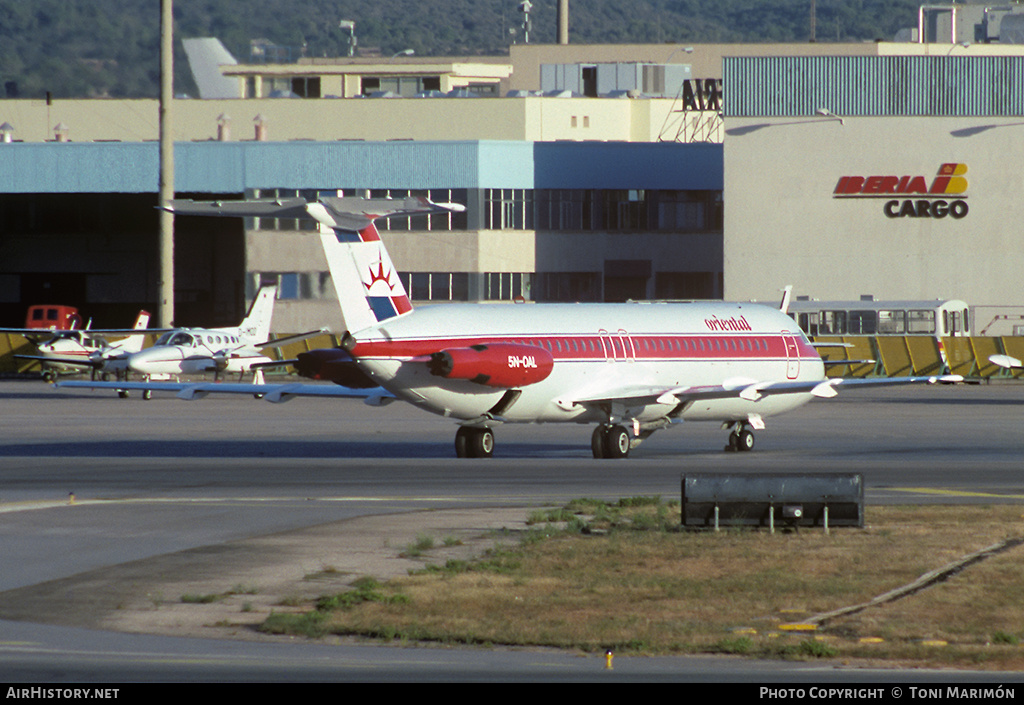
x=77 y=349
x=239 y=349
x=627 y=369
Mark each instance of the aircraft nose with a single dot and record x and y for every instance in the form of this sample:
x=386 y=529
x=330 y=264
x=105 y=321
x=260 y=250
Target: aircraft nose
x=153 y=360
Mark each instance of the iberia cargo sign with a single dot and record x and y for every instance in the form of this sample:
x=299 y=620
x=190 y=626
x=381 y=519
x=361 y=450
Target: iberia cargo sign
x=912 y=196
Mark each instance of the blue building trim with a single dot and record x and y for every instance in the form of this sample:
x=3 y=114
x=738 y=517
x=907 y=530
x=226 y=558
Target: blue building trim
x=233 y=167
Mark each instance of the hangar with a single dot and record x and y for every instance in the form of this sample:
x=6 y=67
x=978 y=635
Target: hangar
x=545 y=221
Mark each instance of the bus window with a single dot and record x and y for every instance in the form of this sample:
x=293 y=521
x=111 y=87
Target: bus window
x=809 y=323
x=920 y=321
x=953 y=326
x=861 y=323
x=832 y=323
x=892 y=322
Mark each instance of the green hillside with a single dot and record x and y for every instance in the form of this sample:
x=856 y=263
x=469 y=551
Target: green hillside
x=92 y=48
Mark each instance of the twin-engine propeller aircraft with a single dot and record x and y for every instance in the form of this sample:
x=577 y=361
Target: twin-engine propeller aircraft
x=628 y=369
x=77 y=349
x=186 y=351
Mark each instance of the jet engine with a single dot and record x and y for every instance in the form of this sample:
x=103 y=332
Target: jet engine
x=503 y=365
x=335 y=365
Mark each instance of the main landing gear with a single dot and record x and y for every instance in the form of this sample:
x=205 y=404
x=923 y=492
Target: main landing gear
x=474 y=442
x=741 y=439
x=610 y=441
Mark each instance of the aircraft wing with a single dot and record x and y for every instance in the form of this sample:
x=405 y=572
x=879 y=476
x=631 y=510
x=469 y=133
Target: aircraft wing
x=288 y=340
x=254 y=208
x=1010 y=363
x=48 y=333
x=275 y=393
x=742 y=388
x=81 y=362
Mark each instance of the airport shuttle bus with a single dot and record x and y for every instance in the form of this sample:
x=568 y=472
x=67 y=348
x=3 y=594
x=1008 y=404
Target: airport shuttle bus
x=938 y=318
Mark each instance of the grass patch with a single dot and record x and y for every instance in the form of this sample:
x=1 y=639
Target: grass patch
x=593 y=576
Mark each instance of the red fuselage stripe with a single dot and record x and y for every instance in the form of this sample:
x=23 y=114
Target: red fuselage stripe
x=613 y=346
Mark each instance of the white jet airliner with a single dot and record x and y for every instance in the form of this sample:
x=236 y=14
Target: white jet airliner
x=628 y=369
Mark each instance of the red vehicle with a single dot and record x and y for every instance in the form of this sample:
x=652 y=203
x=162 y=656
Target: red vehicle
x=53 y=317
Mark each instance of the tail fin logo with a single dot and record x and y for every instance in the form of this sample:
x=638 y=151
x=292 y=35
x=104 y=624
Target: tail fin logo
x=379 y=280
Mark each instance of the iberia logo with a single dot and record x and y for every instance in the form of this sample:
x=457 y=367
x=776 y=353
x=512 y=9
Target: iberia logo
x=917 y=197
x=379 y=277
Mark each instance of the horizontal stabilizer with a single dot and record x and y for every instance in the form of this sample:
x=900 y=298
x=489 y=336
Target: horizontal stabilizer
x=349 y=213
x=289 y=339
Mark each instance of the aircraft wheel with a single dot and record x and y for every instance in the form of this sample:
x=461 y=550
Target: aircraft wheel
x=462 y=442
x=481 y=443
x=745 y=440
x=147 y=394
x=122 y=393
x=616 y=442
x=597 y=443
x=473 y=442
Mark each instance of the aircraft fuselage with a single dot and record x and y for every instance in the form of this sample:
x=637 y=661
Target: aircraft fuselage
x=597 y=350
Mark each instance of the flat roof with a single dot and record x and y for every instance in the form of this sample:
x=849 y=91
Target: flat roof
x=234 y=167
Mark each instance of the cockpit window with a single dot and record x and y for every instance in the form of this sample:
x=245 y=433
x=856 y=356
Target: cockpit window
x=181 y=339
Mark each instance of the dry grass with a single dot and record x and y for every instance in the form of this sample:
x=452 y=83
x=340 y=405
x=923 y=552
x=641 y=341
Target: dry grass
x=660 y=590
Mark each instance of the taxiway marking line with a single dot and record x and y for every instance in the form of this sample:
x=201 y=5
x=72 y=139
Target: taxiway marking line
x=954 y=493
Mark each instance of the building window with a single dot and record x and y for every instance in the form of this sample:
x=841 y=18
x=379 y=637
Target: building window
x=291 y=286
x=436 y=286
x=507 y=286
x=405 y=86
x=306 y=86
x=628 y=210
x=684 y=286
x=568 y=286
x=508 y=209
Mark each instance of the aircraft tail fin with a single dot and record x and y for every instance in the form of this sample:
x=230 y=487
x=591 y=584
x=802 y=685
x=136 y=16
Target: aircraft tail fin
x=367 y=284
x=256 y=324
x=787 y=294
x=368 y=287
x=134 y=343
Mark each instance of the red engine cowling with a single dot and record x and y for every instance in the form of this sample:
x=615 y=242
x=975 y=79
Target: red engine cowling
x=502 y=365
